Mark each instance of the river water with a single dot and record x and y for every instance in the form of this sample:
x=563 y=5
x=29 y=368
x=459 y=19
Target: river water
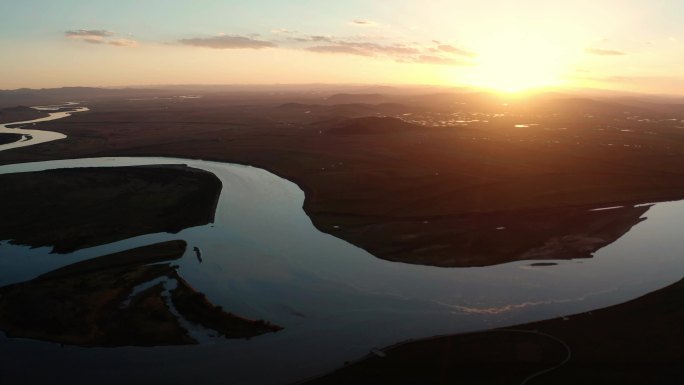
x=33 y=137
x=264 y=259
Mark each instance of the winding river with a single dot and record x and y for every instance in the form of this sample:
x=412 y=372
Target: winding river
x=33 y=137
x=263 y=259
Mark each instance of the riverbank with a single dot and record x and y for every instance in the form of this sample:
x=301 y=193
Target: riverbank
x=637 y=342
x=9 y=138
x=20 y=114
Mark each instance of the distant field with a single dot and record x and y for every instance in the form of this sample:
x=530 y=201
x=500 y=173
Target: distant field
x=382 y=176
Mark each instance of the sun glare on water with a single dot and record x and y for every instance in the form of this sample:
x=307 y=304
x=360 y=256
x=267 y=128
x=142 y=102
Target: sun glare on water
x=513 y=63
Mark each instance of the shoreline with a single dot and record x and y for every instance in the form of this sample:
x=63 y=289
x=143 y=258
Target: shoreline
x=8 y=138
x=18 y=114
x=95 y=205
x=597 y=343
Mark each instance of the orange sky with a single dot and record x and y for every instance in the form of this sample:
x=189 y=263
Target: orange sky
x=633 y=45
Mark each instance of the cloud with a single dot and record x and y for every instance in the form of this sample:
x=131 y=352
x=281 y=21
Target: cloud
x=381 y=49
x=365 y=49
x=402 y=52
x=605 y=79
x=88 y=33
x=456 y=51
x=99 y=36
x=364 y=23
x=93 y=40
x=399 y=52
x=283 y=31
x=603 y=52
x=228 y=42
x=440 y=60
x=338 y=49
x=358 y=45
x=313 y=38
x=123 y=43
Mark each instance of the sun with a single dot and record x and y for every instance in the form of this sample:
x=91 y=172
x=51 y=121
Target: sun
x=514 y=63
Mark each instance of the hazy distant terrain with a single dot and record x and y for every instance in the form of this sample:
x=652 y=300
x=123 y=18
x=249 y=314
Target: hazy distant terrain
x=412 y=177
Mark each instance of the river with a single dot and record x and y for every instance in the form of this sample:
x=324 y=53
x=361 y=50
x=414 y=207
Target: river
x=264 y=259
x=33 y=137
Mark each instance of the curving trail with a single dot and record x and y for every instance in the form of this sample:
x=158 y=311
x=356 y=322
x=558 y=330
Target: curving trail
x=547 y=370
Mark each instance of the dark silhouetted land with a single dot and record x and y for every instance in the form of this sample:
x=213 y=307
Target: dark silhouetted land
x=70 y=209
x=20 y=113
x=10 y=138
x=638 y=342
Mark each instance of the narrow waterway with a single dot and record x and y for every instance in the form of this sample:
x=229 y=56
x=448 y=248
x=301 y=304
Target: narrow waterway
x=32 y=136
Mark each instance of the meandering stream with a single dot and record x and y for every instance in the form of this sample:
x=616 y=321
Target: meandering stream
x=33 y=137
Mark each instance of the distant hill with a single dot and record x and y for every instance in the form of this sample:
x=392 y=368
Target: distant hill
x=33 y=97
x=373 y=126
x=358 y=98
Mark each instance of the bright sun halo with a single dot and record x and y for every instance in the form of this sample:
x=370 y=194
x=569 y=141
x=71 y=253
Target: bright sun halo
x=511 y=63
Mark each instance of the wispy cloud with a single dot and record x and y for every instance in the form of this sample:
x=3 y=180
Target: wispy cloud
x=282 y=31
x=403 y=52
x=375 y=49
x=364 y=23
x=80 y=33
x=604 y=79
x=359 y=45
x=455 y=50
x=228 y=42
x=123 y=43
x=362 y=48
x=442 y=60
x=338 y=49
x=603 y=52
x=312 y=39
x=99 y=36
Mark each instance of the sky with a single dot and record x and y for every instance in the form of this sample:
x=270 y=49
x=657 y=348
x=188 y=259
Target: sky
x=508 y=46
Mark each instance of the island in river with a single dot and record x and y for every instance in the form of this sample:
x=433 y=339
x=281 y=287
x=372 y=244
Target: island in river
x=10 y=138
x=71 y=209
x=95 y=303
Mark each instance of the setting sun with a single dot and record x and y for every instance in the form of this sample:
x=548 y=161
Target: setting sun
x=514 y=63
